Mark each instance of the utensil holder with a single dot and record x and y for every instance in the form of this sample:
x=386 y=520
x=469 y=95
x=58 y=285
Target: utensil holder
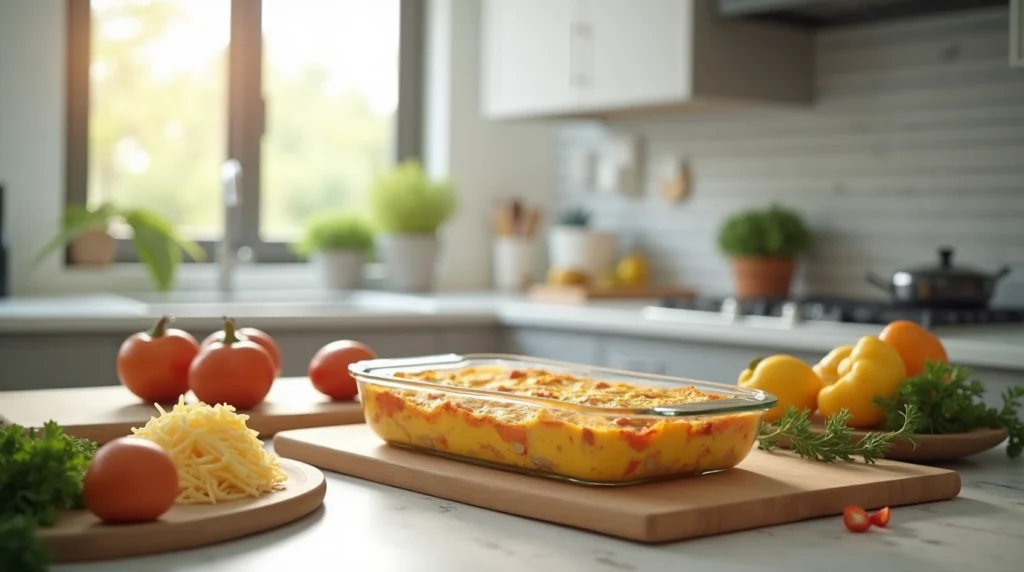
x=513 y=263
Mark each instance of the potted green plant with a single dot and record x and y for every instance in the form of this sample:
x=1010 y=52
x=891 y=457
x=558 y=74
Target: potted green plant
x=157 y=243
x=764 y=244
x=408 y=208
x=574 y=245
x=338 y=243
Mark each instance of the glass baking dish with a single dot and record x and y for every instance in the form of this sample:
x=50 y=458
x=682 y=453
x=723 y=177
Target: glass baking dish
x=557 y=438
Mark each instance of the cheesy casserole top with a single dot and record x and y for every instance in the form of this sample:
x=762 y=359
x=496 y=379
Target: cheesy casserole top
x=564 y=386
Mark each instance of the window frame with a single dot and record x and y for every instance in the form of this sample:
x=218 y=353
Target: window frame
x=246 y=113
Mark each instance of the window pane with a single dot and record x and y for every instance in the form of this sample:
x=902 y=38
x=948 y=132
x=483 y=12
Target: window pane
x=330 y=76
x=157 y=122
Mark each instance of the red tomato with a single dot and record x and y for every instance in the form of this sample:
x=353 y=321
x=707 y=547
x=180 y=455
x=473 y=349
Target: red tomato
x=328 y=370
x=235 y=372
x=880 y=517
x=259 y=336
x=130 y=480
x=856 y=519
x=154 y=365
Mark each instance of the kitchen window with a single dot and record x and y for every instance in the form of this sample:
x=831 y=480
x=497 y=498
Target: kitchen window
x=311 y=97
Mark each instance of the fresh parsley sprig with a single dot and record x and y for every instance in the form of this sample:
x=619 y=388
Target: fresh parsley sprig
x=836 y=441
x=41 y=474
x=950 y=401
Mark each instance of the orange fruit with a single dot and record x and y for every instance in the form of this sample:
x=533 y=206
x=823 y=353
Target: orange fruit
x=915 y=344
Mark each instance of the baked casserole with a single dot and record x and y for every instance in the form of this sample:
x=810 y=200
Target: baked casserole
x=563 y=423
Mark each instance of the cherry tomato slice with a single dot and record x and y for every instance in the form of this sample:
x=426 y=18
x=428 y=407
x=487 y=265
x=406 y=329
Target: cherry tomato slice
x=856 y=519
x=880 y=517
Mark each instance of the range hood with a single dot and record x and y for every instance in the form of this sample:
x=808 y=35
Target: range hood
x=826 y=13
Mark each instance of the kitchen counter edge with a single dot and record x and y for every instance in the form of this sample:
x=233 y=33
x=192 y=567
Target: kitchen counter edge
x=985 y=346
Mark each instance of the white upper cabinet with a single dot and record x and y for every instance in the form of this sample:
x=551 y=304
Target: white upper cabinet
x=525 y=45
x=631 y=55
x=564 y=58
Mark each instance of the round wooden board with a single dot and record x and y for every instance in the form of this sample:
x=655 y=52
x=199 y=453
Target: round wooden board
x=79 y=536
x=935 y=448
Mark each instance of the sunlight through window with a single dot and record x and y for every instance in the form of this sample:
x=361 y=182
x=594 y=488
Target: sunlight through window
x=157 y=119
x=330 y=76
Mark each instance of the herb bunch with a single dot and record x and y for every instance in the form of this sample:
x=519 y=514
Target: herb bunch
x=20 y=548
x=836 y=442
x=41 y=474
x=950 y=401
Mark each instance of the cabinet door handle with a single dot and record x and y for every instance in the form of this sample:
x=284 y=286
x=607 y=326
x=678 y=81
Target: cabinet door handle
x=587 y=51
x=573 y=50
x=578 y=34
x=1017 y=33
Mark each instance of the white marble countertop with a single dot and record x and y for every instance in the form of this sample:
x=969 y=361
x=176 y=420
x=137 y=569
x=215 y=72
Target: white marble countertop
x=996 y=346
x=365 y=526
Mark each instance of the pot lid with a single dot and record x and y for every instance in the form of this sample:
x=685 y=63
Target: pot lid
x=946 y=269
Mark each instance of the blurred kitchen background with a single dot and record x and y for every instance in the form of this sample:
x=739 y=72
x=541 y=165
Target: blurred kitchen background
x=289 y=162
x=914 y=140
x=894 y=128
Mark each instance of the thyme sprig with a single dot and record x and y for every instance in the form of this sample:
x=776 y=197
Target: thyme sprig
x=835 y=442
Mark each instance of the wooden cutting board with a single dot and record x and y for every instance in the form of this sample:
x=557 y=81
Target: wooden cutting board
x=581 y=294
x=79 y=536
x=764 y=490
x=106 y=413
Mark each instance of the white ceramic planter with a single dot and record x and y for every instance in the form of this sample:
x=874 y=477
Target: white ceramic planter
x=410 y=260
x=584 y=249
x=340 y=269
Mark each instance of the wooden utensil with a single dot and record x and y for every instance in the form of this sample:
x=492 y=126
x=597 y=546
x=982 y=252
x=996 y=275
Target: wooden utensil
x=79 y=536
x=504 y=221
x=764 y=490
x=106 y=413
x=531 y=221
x=517 y=216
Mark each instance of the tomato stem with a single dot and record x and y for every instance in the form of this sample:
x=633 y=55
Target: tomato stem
x=754 y=363
x=160 y=327
x=230 y=335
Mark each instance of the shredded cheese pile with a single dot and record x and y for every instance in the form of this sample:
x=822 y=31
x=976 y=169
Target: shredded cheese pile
x=217 y=456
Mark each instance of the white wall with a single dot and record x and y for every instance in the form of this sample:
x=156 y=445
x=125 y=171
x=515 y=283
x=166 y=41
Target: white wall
x=488 y=160
x=917 y=140
x=31 y=124
x=485 y=159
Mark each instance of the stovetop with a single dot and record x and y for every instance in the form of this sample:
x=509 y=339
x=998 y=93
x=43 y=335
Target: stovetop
x=854 y=311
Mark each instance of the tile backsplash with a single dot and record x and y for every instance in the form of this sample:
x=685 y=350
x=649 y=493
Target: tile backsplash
x=916 y=141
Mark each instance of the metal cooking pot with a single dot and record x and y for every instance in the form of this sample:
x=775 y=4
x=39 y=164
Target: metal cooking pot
x=944 y=286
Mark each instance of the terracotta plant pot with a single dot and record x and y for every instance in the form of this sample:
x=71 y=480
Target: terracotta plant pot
x=763 y=277
x=94 y=248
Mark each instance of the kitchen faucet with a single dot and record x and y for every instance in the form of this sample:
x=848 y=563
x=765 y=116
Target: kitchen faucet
x=227 y=254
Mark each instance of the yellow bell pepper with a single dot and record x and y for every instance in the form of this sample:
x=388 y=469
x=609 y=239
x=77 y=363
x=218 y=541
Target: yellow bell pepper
x=790 y=380
x=828 y=368
x=873 y=369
